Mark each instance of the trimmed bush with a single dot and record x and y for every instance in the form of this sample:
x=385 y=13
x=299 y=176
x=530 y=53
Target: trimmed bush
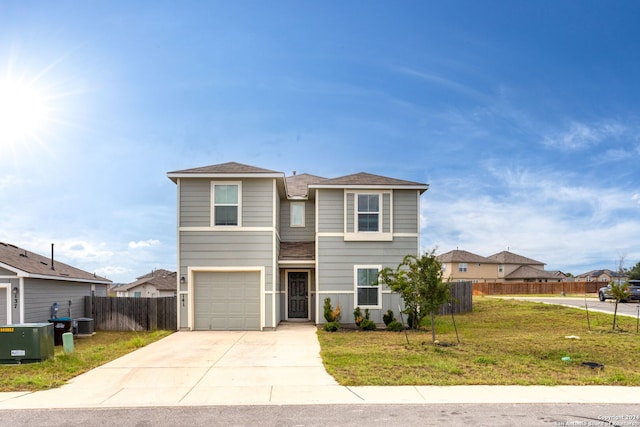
x=395 y=326
x=388 y=317
x=331 y=326
x=367 y=325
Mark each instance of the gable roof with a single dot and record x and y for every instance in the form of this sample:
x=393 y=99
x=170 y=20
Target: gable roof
x=367 y=180
x=229 y=169
x=598 y=273
x=297 y=185
x=528 y=272
x=463 y=256
x=162 y=280
x=506 y=257
x=31 y=264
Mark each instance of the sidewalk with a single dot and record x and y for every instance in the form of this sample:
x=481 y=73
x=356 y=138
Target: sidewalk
x=264 y=368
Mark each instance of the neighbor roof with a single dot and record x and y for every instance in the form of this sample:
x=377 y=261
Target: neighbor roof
x=506 y=257
x=30 y=264
x=162 y=280
x=463 y=256
x=598 y=273
x=528 y=272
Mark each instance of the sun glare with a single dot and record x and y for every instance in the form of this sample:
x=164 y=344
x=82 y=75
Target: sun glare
x=23 y=111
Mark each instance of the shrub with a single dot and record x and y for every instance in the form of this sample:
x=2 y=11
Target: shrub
x=331 y=315
x=367 y=325
x=395 y=326
x=357 y=316
x=388 y=317
x=331 y=326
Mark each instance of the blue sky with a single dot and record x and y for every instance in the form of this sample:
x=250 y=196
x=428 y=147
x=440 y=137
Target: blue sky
x=523 y=117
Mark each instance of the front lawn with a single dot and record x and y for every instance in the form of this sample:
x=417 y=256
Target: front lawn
x=503 y=342
x=89 y=353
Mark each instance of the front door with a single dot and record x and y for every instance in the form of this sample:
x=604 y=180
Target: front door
x=298 y=295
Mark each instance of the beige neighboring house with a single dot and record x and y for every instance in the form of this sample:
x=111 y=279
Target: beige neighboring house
x=459 y=265
x=158 y=283
x=604 y=276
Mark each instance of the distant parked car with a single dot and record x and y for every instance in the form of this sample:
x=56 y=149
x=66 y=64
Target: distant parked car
x=634 y=291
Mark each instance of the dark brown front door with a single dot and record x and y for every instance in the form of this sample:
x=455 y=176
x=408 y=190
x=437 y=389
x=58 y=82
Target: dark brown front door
x=298 y=295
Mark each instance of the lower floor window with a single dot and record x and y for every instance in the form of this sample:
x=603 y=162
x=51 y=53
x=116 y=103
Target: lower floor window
x=367 y=288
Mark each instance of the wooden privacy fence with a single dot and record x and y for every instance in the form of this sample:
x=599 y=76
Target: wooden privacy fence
x=461 y=299
x=524 y=288
x=132 y=314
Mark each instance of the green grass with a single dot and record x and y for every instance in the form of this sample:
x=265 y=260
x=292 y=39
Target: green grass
x=504 y=342
x=88 y=353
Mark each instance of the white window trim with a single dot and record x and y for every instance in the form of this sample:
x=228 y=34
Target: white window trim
x=460 y=267
x=356 y=211
x=213 y=203
x=291 y=206
x=368 y=236
x=355 y=286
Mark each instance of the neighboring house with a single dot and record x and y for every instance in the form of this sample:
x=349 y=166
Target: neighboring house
x=256 y=248
x=604 y=276
x=30 y=284
x=158 y=283
x=459 y=265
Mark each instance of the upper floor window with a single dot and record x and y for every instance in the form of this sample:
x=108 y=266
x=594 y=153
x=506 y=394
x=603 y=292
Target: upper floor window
x=226 y=204
x=297 y=214
x=462 y=267
x=368 y=291
x=368 y=212
x=500 y=268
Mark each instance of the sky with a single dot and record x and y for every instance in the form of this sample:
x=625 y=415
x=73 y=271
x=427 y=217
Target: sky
x=522 y=116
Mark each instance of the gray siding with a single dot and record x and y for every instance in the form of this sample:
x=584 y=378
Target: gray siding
x=330 y=211
x=336 y=258
x=298 y=234
x=195 y=202
x=386 y=212
x=351 y=207
x=228 y=249
x=405 y=211
x=39 y=296
x=257 y=202
x=3 y=305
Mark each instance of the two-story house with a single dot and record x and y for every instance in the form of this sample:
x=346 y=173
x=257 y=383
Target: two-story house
x=256 y=247
x=459 y=265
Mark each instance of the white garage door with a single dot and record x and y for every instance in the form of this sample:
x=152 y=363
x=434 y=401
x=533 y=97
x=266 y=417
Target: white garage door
x=227 y=301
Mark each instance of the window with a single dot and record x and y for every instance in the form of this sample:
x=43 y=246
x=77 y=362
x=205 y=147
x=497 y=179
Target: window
x=462 y=267
x=226 y=204
x=500 y=268
x=368 y=292
x=368 y=212
x=137 y=294
x=297 y=214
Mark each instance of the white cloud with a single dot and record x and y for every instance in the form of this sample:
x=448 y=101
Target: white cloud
x=581 y=136
x=540 y=215
x=143 y=243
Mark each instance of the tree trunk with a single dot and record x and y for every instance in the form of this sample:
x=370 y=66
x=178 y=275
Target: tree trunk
x=433 y=328
x=615 y=314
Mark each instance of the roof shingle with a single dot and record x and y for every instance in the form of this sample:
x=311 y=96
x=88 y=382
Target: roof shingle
x=32 y=263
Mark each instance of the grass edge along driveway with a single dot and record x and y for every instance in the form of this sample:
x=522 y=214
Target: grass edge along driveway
x=503 y=342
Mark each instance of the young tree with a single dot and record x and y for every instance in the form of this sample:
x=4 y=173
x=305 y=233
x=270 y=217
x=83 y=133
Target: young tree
x=634 y=272
x=418 y=280
x=619 y=290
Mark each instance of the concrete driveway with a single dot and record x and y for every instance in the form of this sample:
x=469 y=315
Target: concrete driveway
x=263 y=368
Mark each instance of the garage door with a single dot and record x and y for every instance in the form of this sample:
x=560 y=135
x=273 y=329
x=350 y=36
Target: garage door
x=227 y=301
